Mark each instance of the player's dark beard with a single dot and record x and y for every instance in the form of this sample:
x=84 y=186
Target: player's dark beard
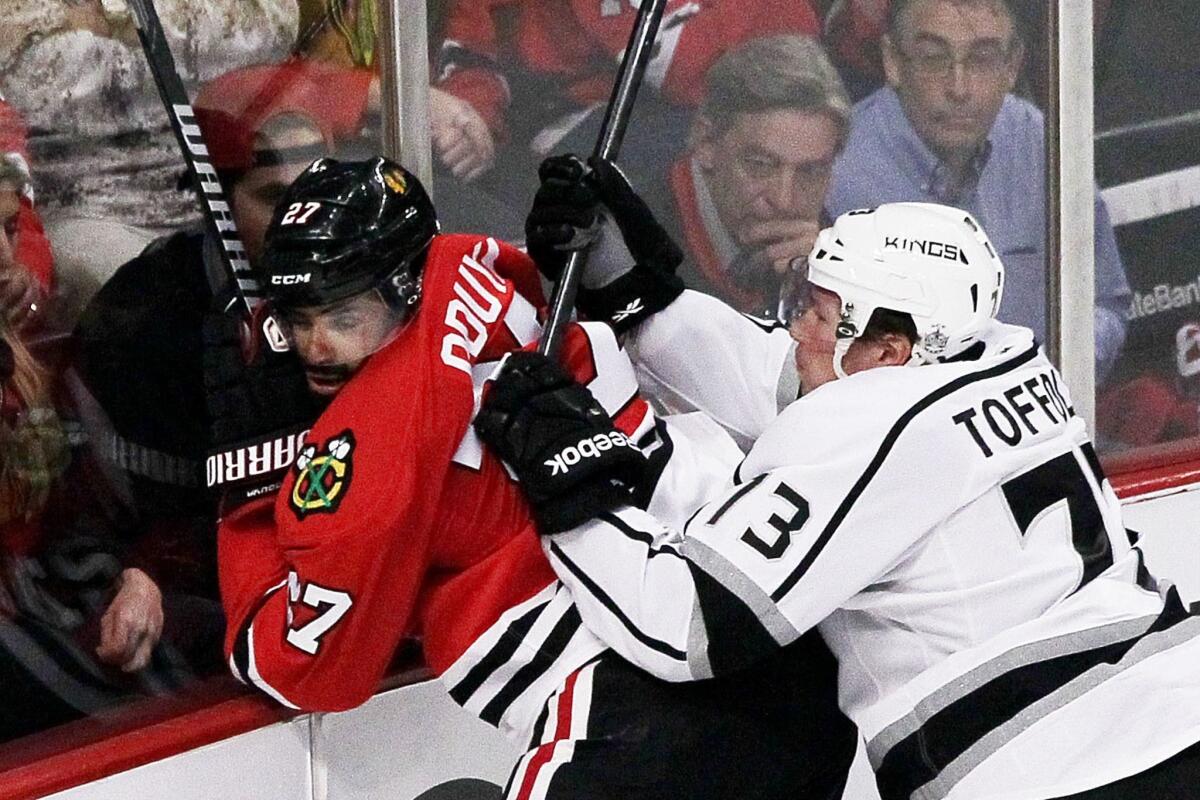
x=333 y=372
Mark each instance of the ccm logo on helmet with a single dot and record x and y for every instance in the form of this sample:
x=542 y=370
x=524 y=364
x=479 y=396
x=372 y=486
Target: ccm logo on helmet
x=290 y=280
x=925 y=247
x=589 y=448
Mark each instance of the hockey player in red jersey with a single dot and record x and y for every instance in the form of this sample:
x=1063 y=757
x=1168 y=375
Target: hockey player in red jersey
x=394 y=520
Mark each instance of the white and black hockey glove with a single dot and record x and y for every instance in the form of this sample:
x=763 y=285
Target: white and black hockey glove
x=631 y=272
x=571 y=460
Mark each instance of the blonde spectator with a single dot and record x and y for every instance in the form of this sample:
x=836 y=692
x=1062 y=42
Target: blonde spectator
x=341 y=32
x=33 y=449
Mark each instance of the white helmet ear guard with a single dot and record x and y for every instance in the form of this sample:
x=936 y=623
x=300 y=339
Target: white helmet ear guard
x=932 y=262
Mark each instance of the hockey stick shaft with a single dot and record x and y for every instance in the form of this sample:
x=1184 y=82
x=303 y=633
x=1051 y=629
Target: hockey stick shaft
x=612 y=132
x=214 y=204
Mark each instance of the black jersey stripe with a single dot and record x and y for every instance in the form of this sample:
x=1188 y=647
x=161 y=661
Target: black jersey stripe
x=631 y=532
x=733 y=498
x=921 y=756
x=241 y=643
x=1093 y=462
x=881 y=455
x=499 y=654
x=656 y=462
x=539 y=727
x=737 y=472
x=607 y=602
x=548 y=652
x=736 y=636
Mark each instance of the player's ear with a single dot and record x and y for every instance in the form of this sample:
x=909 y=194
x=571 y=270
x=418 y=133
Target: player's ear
x=895 y=350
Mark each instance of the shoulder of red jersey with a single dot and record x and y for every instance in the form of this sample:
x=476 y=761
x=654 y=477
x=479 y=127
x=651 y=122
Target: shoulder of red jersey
x=504 y=260
x=481 y=298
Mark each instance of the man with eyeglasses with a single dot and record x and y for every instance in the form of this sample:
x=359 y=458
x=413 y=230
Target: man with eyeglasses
x=947 y=129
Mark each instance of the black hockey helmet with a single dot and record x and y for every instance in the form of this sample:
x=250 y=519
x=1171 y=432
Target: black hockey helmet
x=347 y=227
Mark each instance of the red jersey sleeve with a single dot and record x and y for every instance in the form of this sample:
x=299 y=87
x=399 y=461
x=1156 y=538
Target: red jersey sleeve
x=320 y=587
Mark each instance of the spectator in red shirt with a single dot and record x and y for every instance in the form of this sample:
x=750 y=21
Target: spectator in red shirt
x=26 y=262
x=536 y=74
x=748 y=195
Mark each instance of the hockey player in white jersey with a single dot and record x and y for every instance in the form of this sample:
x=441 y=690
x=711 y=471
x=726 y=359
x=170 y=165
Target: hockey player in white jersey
x=947 y=527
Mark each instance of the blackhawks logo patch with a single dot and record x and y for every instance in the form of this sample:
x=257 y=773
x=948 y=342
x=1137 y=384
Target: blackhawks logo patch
x=394 y=180
x=323 y=480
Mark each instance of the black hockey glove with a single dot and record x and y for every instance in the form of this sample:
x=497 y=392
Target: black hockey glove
x=571 y=461
x=256 y=410
x=631 y=272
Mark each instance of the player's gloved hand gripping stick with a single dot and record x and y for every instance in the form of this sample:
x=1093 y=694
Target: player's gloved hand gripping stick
x=612 y=132
x=631 y=272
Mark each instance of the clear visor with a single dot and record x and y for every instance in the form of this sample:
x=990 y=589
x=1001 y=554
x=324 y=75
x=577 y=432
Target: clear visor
x=795 y=293
x=332 y=341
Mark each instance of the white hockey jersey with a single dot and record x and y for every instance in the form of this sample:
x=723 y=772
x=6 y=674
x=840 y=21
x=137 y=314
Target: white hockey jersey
x=702 y=355
x=950 y=530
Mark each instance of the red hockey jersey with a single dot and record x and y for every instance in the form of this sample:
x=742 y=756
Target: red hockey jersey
x=577 y=45
x=395 y=520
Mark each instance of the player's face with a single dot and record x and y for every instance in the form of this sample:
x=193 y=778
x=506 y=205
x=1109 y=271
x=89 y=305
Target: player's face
x=772 y=166
x=815 y=334
x=951 y=62
x=333 y=341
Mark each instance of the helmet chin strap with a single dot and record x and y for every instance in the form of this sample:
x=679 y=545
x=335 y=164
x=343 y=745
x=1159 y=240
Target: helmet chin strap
x=840 y=349
x=847 y=331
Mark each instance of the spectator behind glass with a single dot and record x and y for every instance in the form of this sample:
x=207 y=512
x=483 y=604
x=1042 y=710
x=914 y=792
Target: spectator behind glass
x=142 y=339
x=339 y=32
x=28 y=276
x=107 y=160
x=537 y=74
x=852 y=30
x=22 y=293
x=342 y=33
x=747 y=196
x=77 y=628
x=947 y=130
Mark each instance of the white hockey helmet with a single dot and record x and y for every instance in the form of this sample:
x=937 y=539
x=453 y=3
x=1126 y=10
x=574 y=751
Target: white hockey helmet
x=930 y=261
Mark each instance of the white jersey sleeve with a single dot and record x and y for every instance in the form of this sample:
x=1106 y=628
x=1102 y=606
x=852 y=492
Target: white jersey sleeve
x=854 y=489
x=699 y=354
x=721 y=594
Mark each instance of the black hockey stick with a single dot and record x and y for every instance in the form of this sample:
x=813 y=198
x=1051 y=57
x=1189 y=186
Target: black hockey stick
x=616 y=119
x=213 y=203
